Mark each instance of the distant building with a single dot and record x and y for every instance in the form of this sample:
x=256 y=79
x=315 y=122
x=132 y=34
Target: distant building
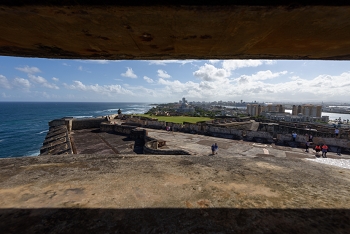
x=257 y=109
x=185 y=107
x=307 y=110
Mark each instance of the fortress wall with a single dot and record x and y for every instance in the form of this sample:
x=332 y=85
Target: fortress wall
x=155 y=124
x=175 y=126
x=57 y=141
x=56 y=122
x=138 y=133
x=123 y=129
x=333 y=143
x=107 y=127
x=344 y=143
x=151 y=148
x=135 y=121
x=78 y=124
x=263 y=137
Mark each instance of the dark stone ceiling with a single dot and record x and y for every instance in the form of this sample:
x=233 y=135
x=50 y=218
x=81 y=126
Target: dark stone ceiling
x=180 y=29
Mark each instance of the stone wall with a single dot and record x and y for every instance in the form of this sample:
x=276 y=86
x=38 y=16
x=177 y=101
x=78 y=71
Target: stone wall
x=261 y=137
x=78 y=124
x=57 y=142
x=151 y=147
x=56 y=122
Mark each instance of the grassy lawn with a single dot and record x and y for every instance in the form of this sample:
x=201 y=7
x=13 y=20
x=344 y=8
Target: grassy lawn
x=177 y=119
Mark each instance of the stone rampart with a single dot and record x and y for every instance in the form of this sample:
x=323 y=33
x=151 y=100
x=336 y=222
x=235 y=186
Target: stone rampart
x=78 y=124
x=151 y=147
x=57 y=141
x=261 y=137
x=56 y=122
x=267 y=133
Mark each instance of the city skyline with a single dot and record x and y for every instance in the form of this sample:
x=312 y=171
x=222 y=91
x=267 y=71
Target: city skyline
x=160 y=81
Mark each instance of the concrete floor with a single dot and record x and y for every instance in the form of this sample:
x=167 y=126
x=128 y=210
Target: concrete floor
x=245 y=188
x=172 y=194
x=201 y=145
x=92 y=141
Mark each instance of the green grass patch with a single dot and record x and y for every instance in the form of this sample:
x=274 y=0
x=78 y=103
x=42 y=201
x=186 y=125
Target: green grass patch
x=176 y=119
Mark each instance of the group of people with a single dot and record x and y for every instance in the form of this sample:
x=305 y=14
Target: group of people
x=323 y=148
x=318 y=148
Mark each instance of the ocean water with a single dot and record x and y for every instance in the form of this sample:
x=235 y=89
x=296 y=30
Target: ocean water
x=24 y=125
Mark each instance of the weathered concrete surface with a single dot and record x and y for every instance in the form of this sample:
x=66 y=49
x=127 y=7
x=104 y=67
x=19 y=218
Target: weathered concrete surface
x=182 y=194
x=92 y=141
x=175 y=29
x=201 y=145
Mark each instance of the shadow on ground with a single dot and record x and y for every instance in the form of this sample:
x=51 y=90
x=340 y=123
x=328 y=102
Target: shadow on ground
x=163 y=220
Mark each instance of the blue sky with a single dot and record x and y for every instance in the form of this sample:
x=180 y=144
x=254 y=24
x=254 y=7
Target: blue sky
x=59 y=80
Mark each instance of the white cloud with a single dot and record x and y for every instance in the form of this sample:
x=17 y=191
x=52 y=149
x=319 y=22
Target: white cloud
x=213 y=61
x=147 y=79
x=42 y=81
x=129 y=73
x=50 y=86
x=209 y=72
x=163 y=74
x=80 y=68
x=29 y=70
x=65 y=64
x=37 y=79
x=165 y=62
x=55 y=79
x=109 y=90
x=22 y=83
x=97 y=61
x=47 y=96
x=270 y=62
x=261 y=75
x=235 y=64
x=4 y=82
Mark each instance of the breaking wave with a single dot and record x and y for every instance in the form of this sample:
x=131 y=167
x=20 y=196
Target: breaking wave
x=43 y=132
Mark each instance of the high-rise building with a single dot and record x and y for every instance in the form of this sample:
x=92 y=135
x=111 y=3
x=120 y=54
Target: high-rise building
x=256 y=109
x=307 y=110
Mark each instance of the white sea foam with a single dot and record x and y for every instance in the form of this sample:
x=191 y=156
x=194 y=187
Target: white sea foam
x=111 y=110
x=82 y=116
x=343 y=163
x=43 y=132
x=34 y=153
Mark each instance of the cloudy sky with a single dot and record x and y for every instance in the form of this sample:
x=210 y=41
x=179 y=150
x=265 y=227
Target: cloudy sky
x=53 y=80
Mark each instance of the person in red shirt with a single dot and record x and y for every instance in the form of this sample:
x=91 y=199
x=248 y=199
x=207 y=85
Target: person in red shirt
x=324 y=150
x=317 y=149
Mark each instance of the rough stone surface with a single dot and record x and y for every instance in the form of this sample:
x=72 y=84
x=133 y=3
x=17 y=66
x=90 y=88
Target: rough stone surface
x=186 y=194
x=169 y=30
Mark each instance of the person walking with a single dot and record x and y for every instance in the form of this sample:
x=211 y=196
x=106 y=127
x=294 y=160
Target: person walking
x=336 y=132
x=310 y=137
x=307 y=145
x=324 y=151
x=216 y=148
x=213 y=149
x=294 y=135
